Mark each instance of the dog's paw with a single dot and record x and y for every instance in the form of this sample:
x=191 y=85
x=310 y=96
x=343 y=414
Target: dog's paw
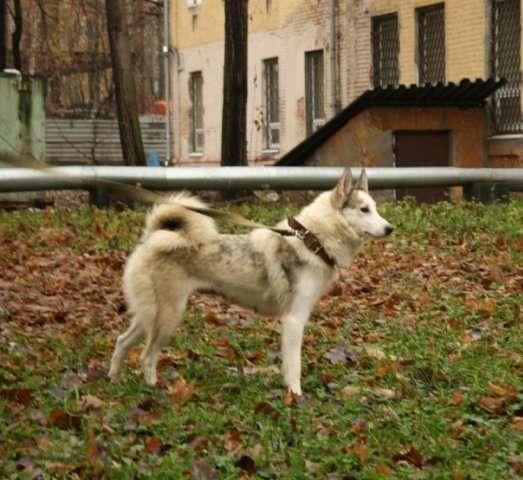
x=114 y=375
x=151 y=378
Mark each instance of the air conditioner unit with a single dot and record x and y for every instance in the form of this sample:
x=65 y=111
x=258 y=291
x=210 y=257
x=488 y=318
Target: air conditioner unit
x=193 y=3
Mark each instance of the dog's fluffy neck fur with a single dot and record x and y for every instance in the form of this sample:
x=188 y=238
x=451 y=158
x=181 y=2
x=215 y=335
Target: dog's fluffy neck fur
x=339 y=240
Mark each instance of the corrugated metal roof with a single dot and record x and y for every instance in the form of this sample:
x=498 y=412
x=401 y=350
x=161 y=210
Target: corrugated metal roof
x=465 y=94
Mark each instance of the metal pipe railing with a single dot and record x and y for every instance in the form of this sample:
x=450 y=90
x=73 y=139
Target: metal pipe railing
x=249 y=178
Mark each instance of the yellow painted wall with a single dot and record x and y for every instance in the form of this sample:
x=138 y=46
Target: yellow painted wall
x=204 y=24
x=466 y=32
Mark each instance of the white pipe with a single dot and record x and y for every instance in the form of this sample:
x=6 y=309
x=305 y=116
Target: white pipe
x=249 y=178
x=167 y=81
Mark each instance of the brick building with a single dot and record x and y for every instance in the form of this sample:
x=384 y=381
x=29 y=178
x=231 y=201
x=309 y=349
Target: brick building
x=429 y=41
x=299 y=78
x=290 y=79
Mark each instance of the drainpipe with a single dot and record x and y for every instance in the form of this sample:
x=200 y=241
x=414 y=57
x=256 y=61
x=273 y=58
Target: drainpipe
x=167 y=81
x=177 y=110
x=333 y=59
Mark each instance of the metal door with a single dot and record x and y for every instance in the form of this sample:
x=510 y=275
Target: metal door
x=422 y=149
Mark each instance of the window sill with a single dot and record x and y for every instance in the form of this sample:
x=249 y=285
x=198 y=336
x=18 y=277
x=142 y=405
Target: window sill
x=269 y=152
x=506 y=136
x=196 y=155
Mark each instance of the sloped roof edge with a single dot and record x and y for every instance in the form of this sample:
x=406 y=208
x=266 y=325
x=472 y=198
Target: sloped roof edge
x=465 y=94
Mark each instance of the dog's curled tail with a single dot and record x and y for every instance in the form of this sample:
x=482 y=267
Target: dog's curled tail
x=173 y=217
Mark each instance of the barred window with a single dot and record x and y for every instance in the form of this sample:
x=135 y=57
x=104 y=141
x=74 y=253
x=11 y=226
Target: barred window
x=506 y=63
x=385 y=50
x=314 y=92
x=431 y=44
x=196 y=93
x=271 y=103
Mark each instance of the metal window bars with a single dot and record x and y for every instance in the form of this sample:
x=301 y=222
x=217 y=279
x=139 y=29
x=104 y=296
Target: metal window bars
x=385 y=50
x=431 y=44
x=506 y=63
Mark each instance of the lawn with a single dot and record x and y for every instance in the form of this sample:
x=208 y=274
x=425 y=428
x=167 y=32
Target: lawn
x=413 y=363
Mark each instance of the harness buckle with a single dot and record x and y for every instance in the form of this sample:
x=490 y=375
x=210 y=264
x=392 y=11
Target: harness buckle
x=299 y=234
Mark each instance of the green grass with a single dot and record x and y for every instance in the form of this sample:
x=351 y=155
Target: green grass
x=429 y=322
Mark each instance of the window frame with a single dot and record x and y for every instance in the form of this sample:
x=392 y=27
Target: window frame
x=197 y=138
x=315 y=116
x=271 y=104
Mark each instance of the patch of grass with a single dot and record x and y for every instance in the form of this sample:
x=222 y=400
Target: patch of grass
x=428 y=384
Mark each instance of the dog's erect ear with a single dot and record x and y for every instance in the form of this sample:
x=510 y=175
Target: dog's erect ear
x=343 y=189
x=363 y=182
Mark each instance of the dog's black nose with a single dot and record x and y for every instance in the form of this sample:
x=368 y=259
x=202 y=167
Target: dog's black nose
x=388 y=230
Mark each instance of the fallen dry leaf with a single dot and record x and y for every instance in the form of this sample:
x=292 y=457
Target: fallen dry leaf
x=340 y=355
x=247 y=464
x=290 y=398
x=203 y=471
x=457 y=399
x=232 y=441
x=497 y=390
x=181 y=391
x=517 y=424
x=94 y=452
x=385 y=393
x=412 y=456
x=60 y=419
x=495 y=405
x=90 y=402
x=264 y=369
x=385 y=470
x=359 y=449
x=153 y=445
x=23 y=396
x=350 y=391
x=375 y=353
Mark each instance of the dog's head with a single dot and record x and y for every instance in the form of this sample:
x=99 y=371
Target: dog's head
x=358 y=208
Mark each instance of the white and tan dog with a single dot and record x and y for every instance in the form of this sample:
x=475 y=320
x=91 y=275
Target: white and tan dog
x=181 y=251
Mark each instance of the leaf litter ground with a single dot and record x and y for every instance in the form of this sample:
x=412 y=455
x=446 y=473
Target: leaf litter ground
x=412 y=362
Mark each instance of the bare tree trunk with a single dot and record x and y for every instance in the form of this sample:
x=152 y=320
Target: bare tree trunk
x=234 y=114
x=17 y=35
x=123 y=77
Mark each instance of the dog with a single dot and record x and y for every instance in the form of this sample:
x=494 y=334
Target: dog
x=181 y=251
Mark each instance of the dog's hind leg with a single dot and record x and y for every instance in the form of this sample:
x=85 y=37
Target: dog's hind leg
x=124 y=342
x=169 y=317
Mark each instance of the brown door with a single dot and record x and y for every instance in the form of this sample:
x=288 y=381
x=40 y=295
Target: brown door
x=422 y=149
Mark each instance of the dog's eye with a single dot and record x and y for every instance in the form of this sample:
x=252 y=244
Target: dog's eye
x=364 y=209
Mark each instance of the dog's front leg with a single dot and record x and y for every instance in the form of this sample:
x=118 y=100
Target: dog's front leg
x=293 y=325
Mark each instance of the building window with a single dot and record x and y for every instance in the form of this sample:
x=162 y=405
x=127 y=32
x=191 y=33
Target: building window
x=431 y=44
x=385 y=50
x=196 y=93
x=314 y=97
x=506 y=63
x=271 y=104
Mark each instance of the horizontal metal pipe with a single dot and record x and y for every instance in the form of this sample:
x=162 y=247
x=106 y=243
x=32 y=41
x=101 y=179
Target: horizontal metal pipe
x=249 y=178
